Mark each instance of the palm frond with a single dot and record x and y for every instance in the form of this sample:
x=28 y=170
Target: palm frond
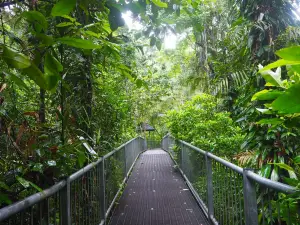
x=234 y=80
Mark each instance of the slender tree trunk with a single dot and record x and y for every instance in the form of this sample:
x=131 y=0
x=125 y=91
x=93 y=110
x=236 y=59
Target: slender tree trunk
x=42 y=111
x=89 y=95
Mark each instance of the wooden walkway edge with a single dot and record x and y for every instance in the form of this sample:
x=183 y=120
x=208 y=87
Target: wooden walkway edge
x=156 y=194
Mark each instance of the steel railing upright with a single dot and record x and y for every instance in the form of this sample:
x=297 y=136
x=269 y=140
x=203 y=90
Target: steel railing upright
x=231 y=195
x=153 y=143
x=85 y=197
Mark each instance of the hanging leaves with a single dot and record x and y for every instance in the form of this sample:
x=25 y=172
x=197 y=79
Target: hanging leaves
x=78 y=43
x=152 y=41
x=158 y=44
x=26 y=184
x=266 y=95
x=281 y=62
x=37 y=20
x=36 y=75
x=52 y=65
x=290 y=54
x=15 y=59
x=289 y=101
x=115 y=18
x=160 y=4
x=63 y=7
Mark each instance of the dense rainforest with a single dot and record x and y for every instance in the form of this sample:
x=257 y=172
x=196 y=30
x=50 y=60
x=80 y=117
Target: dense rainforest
x=223 y=75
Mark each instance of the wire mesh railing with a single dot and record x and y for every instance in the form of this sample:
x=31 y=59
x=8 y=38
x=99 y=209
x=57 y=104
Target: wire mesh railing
x=85 y=198
x=153 y=143
x=229 y=194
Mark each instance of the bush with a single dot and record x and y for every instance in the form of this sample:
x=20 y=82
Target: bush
x=199 y=123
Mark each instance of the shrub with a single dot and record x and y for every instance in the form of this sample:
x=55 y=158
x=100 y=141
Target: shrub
x=199 y=123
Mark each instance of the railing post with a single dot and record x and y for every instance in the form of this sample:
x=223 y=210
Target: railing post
x=181 y=157
x=145 y=144
x=102 y=190
x=210 y=196
x=125 y=161
x=250 y=205
x=65 y=204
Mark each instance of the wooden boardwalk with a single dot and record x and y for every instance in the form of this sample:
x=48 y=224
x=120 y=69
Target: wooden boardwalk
x=156 y=194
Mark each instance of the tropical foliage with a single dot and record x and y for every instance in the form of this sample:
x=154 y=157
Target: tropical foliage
x=198 y=122
x=75 y=69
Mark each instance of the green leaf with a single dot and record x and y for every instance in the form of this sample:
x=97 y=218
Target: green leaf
x=139 y=83
x=63 y=7
x=65 y=24
x=93 y=34
x=52 y=81
x=18 y=81
x=45 y=39
x=4 y=186
x=15 y=59
x=126 y=74
x=78 y=43
x=81 y=158
x=158 y=44
x=52 y=65
x=35 y=187
x=290 y=181
x=294 y=68
x=23 y=182
x=160 y=3
x=289 y=101
x=69 y=18
x=37 y=19
x=265 y=171
x=38 y=167
x=279 y=63
x=290 y=53
x=152 y=41
x=115 y=18
x=297 y=159
x=4 y=199
x=273 y=121
x=37 y=76
x=27 y=184
x=283 y=166
x=266 y=95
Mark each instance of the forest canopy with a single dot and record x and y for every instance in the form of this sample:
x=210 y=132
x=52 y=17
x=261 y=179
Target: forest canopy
x=222 y=74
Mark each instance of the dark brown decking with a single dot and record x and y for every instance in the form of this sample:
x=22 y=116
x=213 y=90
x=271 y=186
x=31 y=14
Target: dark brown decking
x=157 y=195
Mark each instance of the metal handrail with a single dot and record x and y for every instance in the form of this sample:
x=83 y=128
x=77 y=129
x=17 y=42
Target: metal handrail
x=212 y=156
x=253 y=176
x=250 y=181
x=131 y=150
x=17 y=207
x=277 y=186
x=84 y=170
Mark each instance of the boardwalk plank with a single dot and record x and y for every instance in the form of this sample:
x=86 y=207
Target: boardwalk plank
x=155 y=195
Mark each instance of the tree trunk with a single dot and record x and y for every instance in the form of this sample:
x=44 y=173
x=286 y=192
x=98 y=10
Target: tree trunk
x=42 y=110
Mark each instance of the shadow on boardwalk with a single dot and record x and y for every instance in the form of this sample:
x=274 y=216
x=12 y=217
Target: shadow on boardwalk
x=156 y=194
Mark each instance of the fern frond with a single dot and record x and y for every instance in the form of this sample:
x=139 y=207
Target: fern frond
x=236 y=79
x=245 y=158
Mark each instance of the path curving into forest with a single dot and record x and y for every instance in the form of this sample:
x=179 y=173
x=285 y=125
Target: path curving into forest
x=156 y=194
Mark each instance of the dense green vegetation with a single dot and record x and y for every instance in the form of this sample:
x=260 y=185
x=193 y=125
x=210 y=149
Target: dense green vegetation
x=198 y=122
x=73 y=68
